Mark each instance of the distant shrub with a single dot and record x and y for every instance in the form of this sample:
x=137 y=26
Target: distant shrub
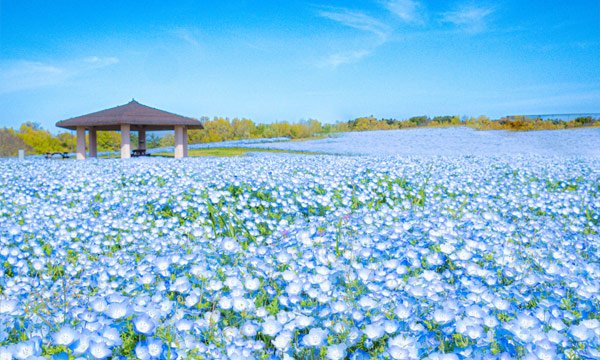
x=10 y=143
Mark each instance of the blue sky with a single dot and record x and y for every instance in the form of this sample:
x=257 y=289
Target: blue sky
x=293 y=60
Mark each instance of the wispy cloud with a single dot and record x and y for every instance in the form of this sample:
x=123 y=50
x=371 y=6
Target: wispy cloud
x=23 y=75
x=409 y=11
x=471 y=19
x=18 y=75
x=100 y=62
x=357 y=20
x=187 y=35
x=335 y=60
x=360 y=21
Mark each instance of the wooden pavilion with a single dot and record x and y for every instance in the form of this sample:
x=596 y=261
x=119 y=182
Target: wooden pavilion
x=126 y=118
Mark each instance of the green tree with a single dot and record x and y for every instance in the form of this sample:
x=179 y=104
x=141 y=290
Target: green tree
x=108 y=140
x=10 y=143
x=40 y=141
x=167 y=140
x=67 y=141
x=152 y=141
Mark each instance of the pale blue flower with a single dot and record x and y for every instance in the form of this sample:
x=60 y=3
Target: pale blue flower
x=315 y=337
x=144 y=325
x=99 y=350
x=336 y=352
x=65 y=336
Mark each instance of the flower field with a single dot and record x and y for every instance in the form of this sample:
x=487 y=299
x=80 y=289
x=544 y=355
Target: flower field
x=301 y=256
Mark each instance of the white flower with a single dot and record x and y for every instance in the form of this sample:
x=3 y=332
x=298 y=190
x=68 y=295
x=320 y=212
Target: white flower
x=249 y=329
x=580 y=332
x=65 y=336
x=271 y=327
x=374 y=331
x=282 y=341
x=336 y=352
x=443 y=316
x=225 y=303
x=251 y=284
x=303 y=321
x=239 y=304
x=315 y=337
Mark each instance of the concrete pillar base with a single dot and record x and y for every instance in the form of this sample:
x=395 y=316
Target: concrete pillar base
x=179 y=142
x=125 y=141
x=80 y=143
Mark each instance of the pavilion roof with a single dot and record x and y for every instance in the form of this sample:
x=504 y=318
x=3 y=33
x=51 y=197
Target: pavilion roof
x=138 y=116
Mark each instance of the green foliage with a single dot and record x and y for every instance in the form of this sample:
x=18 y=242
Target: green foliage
x=108 y=140
x=223 y=129
x=36 y=140
x=233 y=151
x=524 y=123
x=40 y=141
x=10 y=143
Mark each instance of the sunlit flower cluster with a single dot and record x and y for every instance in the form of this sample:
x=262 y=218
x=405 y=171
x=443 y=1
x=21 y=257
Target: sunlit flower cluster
x=301 y=256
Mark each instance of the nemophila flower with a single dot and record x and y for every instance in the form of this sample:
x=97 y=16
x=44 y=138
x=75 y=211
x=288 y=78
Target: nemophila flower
x=118 y=310
x=442 y=356
x=374 y=331
x=282 y=341
x=239 y=304
x=315 y=337
x=403 y=344
x=249 y=329
x=87 y=316
x=336 y=352
x=397 y=352
x=230 y=333
x=141 y=351
x=390 y=326
x=402 y=311
x=8 y=306
x=143 y=324
x=99 y=350
x=225 y=303
x=461 y=254
x=98 y=305
x=65 y=336
x=212 y=317
x=251 y=284
x=303 y=321
x=215 y=285
x=7 y=352
x=81 y=344
x=111 y=337
x=184 y=325
x=181 y=284
x=192 y=299
x=443 y=316
x=271 y=327
x=28 y=349
x=580 y=332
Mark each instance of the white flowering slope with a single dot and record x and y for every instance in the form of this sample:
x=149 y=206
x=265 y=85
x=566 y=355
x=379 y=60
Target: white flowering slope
x=285 y=256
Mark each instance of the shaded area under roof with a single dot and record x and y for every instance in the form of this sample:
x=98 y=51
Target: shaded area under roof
x=138 y=116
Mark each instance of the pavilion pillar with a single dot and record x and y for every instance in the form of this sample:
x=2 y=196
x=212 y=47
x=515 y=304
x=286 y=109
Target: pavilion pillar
x=80 y=143
x=185 y=142
x=125 y=141
x=178 y=142
x=93 y=143
x=142 y=139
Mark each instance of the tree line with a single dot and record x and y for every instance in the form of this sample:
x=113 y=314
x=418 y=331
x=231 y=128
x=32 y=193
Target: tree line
x=35 y=140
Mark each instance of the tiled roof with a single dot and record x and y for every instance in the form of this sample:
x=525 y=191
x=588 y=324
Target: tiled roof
x=133 y=113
